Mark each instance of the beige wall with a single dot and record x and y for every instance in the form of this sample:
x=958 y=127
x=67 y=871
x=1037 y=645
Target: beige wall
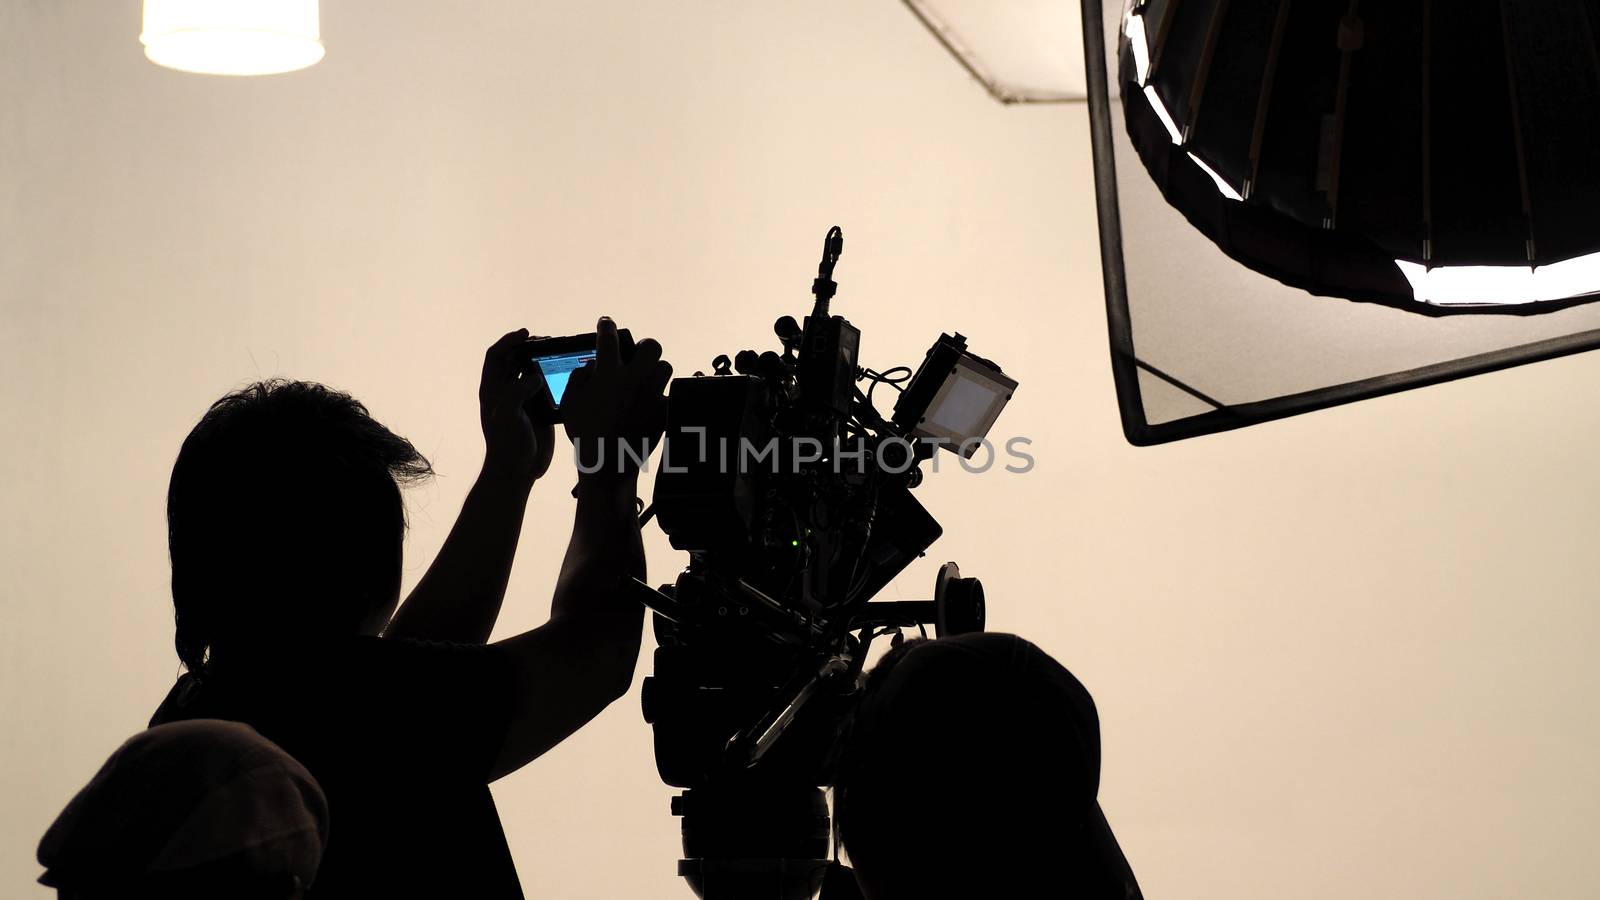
x=1345 y=655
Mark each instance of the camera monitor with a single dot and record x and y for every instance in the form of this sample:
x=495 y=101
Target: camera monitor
x=955 y=397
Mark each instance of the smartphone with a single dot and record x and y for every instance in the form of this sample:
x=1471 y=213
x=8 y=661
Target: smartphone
x=557 y=358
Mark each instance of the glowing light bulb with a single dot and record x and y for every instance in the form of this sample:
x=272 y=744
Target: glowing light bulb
x=232 y=37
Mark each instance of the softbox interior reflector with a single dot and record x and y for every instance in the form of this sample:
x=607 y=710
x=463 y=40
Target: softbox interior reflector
x=1201 y=343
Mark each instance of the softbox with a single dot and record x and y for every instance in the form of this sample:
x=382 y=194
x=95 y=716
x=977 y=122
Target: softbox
x=1308 y=203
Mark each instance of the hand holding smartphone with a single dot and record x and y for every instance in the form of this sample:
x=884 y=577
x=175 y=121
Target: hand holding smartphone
x=556 y=358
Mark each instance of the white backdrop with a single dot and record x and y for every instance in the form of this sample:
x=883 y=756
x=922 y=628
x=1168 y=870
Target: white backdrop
x=1345 y=655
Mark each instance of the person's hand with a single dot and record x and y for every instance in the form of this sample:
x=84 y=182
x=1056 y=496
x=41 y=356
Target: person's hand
x=515 y=448
x=615 y=411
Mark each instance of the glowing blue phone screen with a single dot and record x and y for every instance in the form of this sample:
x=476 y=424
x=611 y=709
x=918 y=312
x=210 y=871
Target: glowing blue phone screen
x=557 y=369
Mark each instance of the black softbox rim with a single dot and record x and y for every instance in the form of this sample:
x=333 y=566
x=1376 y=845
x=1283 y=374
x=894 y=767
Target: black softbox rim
x=1125 y=365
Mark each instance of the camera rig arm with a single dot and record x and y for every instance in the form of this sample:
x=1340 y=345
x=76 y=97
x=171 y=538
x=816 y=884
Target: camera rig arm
x=746 y=748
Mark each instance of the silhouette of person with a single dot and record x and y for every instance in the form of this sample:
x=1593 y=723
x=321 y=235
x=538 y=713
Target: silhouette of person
x=970 y=770
x=285 y=527
x=201 y=809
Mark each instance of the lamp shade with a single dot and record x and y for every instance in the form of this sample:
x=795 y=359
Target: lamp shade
x=232 y=37
x=1273 y=243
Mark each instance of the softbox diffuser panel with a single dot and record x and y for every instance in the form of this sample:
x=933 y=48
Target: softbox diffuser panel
x=1201 y=343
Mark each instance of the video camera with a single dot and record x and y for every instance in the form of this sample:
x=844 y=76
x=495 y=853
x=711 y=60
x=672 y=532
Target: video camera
x=791 y=494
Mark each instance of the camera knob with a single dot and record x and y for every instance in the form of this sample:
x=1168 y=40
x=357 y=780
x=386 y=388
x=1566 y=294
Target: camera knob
x=789 y=332
x=958 y=602
x=649 y=701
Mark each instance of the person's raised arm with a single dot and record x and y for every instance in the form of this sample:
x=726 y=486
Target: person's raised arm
x=459 y=597
x=568 y=670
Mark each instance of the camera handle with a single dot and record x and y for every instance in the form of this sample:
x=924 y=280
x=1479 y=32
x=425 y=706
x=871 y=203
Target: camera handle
x=957 y=607
x=824 y=287
x=656 y=601
x=747 y=747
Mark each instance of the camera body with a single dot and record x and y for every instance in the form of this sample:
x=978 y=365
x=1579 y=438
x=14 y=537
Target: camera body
x=792 y=496
x=791 y=525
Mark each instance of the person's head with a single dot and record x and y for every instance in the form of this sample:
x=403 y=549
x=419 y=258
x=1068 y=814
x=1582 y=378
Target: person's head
x=971 y=769
x=202 y=808
x=284 y=519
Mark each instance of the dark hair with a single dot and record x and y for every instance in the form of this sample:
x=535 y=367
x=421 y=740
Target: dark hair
x=284 y=517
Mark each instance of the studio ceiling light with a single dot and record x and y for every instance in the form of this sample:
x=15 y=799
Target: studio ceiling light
x=1370 y=140
x=232 y=37
x=1304 y=204
x=1259 y=164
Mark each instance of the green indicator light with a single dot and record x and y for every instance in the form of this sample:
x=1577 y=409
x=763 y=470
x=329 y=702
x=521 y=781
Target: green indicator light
x=794 y=543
